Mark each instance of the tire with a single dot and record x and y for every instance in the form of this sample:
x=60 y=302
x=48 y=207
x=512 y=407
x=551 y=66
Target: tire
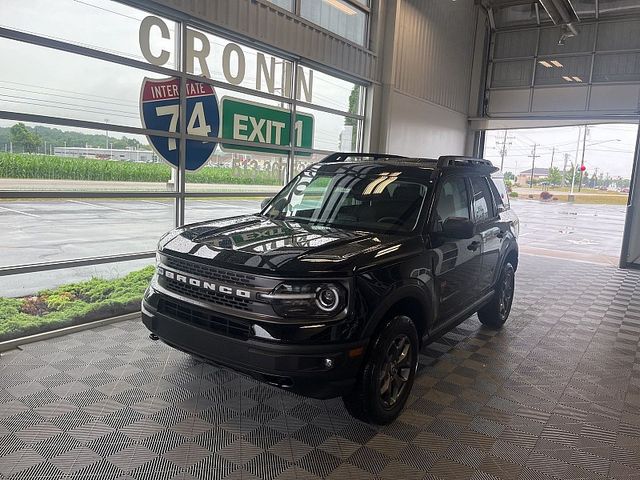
x=496 y=312
x=391 y=365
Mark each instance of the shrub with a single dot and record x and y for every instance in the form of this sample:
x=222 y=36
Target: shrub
x=546 y=195
x=72 y=304
x=513 y=194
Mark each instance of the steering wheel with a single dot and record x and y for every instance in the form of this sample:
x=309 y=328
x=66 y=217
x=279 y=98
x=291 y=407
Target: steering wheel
x=393 y=220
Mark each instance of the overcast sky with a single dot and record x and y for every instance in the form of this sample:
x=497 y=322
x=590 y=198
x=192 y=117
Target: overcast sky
x=609 y=148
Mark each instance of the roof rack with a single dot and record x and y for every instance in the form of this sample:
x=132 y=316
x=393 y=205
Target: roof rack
x=457 y=160
x=342 y=156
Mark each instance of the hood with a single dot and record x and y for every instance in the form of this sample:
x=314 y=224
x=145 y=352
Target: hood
x=262 y=245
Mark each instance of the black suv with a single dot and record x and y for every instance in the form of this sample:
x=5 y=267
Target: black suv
x=334 y=286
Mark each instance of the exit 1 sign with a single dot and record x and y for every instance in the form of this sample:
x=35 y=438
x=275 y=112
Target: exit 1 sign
x=264 y=124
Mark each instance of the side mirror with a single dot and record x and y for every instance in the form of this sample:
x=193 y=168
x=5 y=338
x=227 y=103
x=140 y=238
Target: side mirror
x=457 y=228
x=265 y=202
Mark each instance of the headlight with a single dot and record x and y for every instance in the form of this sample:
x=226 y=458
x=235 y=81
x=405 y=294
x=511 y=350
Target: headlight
x=307 y=299
x=328 y=298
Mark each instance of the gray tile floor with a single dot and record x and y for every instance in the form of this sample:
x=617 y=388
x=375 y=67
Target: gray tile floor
x=555 y=394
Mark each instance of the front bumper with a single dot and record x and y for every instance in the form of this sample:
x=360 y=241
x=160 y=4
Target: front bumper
x=298 y=368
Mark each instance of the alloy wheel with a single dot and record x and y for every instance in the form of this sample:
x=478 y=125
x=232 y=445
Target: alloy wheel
x=506 y=293
x=396 y=370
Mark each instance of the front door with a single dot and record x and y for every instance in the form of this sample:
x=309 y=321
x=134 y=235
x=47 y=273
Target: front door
x=488 y=227
x=457 y=262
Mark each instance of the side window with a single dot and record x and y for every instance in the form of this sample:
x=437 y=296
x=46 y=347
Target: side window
x=499 y=193
x=453 y=201
x=483 y=208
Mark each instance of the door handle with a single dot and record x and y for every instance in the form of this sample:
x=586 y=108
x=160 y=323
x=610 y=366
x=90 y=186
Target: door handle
x=473 y=246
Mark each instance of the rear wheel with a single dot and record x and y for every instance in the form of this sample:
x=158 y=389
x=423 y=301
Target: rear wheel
x=496 y=312
x=388 y=374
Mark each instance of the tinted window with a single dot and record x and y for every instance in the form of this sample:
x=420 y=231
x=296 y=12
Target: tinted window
x=482 y=201
x=453 y=201
x=499 y=191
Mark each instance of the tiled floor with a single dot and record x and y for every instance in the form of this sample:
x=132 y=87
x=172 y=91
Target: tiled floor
x=556 y=393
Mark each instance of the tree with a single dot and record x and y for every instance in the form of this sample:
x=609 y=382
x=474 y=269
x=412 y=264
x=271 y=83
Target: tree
x=21 y=136
x=354 y=107
x=509 y=176
x=555 y=176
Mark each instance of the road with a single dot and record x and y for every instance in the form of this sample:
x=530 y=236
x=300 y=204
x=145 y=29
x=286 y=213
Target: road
x=36 y=231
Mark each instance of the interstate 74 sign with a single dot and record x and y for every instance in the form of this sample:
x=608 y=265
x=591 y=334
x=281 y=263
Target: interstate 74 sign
x=160 y=110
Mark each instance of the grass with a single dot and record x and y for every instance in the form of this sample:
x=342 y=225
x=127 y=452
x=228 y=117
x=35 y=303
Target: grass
x=591 y=199
x=72 y=304
x=13 y=165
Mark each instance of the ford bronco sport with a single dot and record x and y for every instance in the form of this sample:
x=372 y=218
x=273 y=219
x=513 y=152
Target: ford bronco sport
x=332 y=289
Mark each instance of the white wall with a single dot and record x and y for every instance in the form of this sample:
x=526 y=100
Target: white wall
x=423 y=129
x=427 y=65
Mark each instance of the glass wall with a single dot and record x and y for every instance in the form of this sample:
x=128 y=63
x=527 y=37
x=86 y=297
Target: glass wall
x=96 y=162
x=347 y=18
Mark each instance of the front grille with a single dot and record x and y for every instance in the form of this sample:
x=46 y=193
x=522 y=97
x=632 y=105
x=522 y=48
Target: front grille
x=210 y=273
x=203 y=319
x=210 y=296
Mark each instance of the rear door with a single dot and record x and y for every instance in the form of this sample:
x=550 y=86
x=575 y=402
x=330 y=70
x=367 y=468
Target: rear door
x=486 y=218
x=457 y=262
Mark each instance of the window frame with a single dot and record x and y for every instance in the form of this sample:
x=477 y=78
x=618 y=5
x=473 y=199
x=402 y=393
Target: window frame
x=180 y=194
x=436 y=197
x=494 y=207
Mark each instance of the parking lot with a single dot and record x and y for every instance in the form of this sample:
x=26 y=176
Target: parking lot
x=51 y=230
x=590 y=233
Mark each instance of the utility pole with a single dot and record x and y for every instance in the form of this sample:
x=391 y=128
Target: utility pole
x=533 y=157
x=584 y=146
x=553 y=154
x=574 y=167
x=503 y=150
x=564 y=168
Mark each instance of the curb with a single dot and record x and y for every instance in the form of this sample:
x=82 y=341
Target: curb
x=38 y=337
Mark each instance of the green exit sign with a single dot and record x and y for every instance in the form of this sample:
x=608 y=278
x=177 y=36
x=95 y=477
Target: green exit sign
x=271 y=126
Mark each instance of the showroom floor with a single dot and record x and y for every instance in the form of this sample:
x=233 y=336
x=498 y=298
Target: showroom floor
x=556 y=393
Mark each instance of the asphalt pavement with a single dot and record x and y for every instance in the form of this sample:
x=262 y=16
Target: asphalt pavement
x=34 y=231
x=577 y=231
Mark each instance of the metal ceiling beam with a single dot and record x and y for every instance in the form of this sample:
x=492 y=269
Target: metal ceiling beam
x=503 y=3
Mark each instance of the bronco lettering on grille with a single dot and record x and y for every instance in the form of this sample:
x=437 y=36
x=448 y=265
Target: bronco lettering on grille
x=196 y=282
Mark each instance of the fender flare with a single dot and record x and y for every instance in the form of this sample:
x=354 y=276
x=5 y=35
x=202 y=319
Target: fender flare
x=413 y=290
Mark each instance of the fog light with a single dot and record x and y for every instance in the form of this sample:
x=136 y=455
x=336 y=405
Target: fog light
x=328 y=363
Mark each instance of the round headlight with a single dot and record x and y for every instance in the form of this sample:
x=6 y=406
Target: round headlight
x=327 y=298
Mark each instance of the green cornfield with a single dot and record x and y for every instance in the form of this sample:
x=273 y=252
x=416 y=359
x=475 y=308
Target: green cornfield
x=48 y=167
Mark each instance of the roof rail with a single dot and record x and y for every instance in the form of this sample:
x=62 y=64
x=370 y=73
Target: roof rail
x=342 y=156
x=453 y=160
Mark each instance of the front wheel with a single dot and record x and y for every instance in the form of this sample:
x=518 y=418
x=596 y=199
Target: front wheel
x=496 y=312
x=388 y=374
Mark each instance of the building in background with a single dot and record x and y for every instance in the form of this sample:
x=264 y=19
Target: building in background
x=128 y=155
x=524 y=177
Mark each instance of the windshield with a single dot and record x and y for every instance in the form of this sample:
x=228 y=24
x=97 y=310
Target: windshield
x=363 y=197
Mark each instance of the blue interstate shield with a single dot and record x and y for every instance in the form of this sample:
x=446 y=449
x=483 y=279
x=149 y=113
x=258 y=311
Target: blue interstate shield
x=160 y=110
